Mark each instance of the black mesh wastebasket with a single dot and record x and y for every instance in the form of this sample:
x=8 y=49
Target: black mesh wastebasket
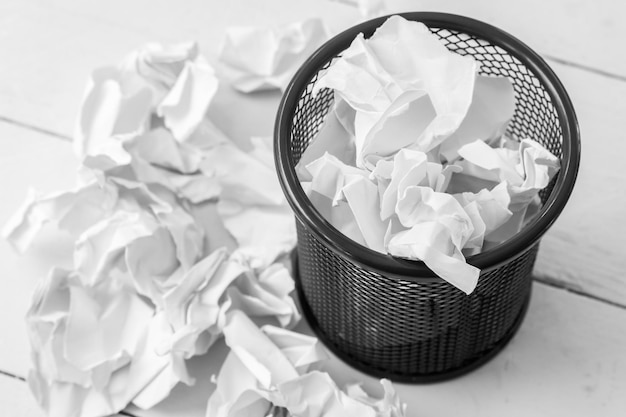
x=395 y=318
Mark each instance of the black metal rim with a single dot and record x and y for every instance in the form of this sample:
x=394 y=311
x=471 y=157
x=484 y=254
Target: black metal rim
x=417 y=270
x=369 y=369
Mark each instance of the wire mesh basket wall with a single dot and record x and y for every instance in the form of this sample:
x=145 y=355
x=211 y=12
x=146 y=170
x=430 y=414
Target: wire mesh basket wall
x=395 y=318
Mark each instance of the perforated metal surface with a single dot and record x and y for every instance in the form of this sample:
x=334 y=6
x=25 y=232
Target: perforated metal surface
x=414 y=328
x=402 y=329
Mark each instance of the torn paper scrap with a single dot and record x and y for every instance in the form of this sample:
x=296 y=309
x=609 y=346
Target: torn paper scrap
x=184 y=107
x=439 y=228
x=173 y=81
x=315 y=394
x=262 y=351
x=156 y=158
x=492 y=205
x=112 y=106
x=249 y=226
x=492 y=107
x=144 y=236
x=159 y=65
x=353 y=198
x=153 y=374
x=527 y=169
x=536 y=168
x=339 y=215
x=388 y=406
x=255 y=365
x=361 y=195
x=73 y=211
x=252 y=201
x=242 y=177
x=77 y=210
x=439 y=244
x=524 y=167
x=395 y=129
x=263 y=150
x=268 y=369
x=409 y=168
x=263 y=293
x=159 y=148
x=195 y=306
x=263 y=58
x=332 y=139
x=84 y=341
x=330 y=176
x=301 y=350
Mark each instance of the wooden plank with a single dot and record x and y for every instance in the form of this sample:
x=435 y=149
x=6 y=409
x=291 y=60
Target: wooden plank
x=584 y=250
x=567 y=359
x=73 y=37
x=567 y=356
x=586 y=33
x=16 y=399
x=582 y=32
x=561 y=362
x=45 y=88
x=27 y=159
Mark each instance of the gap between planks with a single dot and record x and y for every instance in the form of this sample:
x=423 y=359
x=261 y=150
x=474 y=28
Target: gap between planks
x=581 y=67
x=34 y=128
x=587 y=68
x=540 y=281
x=563 y=285
x=22 y=379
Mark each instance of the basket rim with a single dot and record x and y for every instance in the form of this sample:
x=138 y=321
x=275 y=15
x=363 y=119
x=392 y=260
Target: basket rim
x=414 y=270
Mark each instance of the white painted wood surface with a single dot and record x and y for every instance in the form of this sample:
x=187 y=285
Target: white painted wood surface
x=586 y=248
x=27 y=159
x=568 y=357
x=590 y=34
x=16 y=398
x=53 y=47
x=566 y=360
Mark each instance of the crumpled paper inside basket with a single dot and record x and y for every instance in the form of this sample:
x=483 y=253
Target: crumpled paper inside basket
x=413 y=158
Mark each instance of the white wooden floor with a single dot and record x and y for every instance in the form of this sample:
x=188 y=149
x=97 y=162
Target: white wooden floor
x=569 y=356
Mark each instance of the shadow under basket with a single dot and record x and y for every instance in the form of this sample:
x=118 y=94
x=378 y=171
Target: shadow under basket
x=392 y=317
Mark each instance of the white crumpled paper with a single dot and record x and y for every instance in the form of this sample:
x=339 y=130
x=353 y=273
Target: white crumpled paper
x=265 y=58
x=173 y=80
x=405 y=87
x=161 y=255
x=268 y=369
x=87 y=344
x=412 y=159
x=186 y=303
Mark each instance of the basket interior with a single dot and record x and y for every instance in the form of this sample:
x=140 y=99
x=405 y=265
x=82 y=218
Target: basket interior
x=535 y=115
x=392 y=317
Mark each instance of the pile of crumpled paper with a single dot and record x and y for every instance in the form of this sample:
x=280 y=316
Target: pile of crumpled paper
x=181 y=238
